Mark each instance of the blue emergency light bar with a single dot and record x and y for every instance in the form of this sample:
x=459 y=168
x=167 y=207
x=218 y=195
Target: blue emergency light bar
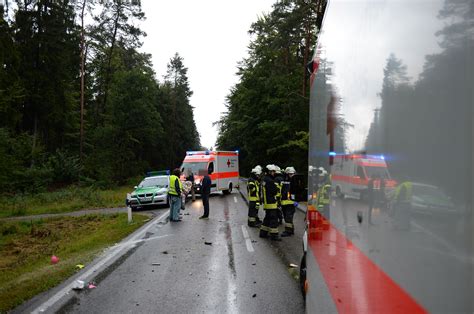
x=191 y=153
x=332 y=153
x=158 y=173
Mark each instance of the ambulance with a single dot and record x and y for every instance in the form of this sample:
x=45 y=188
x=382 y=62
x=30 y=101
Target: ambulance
x=351 y=173
x=223 y=167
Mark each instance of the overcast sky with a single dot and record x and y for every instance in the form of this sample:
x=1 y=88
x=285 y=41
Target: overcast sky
x=211 y=36
x=374 y=37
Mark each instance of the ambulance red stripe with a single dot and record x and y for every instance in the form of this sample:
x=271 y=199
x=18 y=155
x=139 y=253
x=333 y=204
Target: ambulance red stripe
x=224 y=175
x=349 y=179
x=356 y=284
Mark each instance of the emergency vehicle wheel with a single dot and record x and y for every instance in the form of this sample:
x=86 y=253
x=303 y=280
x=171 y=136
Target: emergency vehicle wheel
x=229 y=190
x=303 y=275
x=339 y=193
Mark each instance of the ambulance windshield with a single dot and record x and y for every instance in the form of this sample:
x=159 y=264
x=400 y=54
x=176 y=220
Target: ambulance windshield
x=196 y=167
x=377 y=172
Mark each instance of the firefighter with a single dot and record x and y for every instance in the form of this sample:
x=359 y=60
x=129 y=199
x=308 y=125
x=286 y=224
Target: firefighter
x=287 y=202
x=253 y=192
x=269 y=226
x=324 y=192
x=279 y=177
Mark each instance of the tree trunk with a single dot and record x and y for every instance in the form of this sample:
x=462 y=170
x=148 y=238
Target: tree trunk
x=81 y=144
x=109 y=61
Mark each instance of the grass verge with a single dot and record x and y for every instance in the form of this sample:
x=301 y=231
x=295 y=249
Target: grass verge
x=61 y=201
x=26 y=249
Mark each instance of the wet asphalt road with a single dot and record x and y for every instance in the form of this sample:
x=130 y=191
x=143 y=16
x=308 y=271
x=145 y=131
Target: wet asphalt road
x=175 y=271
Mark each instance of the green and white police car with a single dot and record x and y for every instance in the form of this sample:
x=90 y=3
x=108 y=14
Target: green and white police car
x=152 y=191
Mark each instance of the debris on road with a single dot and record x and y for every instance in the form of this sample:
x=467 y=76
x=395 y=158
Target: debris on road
x=254 y=295
x=165 y=252
x=254 y=264
x=92 y=285
x=207 y=243
x=78 y=285
x=80 y=266
x=293 y=265
x=54 y=259
x=155 y=264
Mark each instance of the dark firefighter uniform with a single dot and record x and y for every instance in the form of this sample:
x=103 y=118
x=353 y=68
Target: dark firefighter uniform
x=278 y=180
x=270 y=205
x=253 y=192
x=287 y=206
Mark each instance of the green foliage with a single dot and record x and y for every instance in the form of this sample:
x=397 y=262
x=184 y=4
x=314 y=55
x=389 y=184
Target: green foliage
x=130 y=119
x=26 y=249
x=267 y=118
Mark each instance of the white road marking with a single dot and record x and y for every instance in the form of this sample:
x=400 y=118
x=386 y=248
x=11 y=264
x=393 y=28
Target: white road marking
x=107 y=257
x=248 y=241
x=235 y=199
x=448 y=246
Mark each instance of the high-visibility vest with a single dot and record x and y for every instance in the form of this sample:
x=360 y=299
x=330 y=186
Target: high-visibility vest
x=172 y=188
x=270 y=191
x=253 y=190
x=407 y=189
x=323 y=195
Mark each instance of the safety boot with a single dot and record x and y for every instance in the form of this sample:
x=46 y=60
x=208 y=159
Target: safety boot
x=287 y=233
x=275 y=237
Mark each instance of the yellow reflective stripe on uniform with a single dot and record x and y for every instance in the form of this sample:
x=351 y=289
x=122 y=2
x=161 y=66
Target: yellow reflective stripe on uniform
x=265 y=228
x=252 y=219
x=273 y=230
x=288 y=225
x=265 y=204
x=252 y=187
x=287 y=202
x=278 y=195
x=270 y=206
